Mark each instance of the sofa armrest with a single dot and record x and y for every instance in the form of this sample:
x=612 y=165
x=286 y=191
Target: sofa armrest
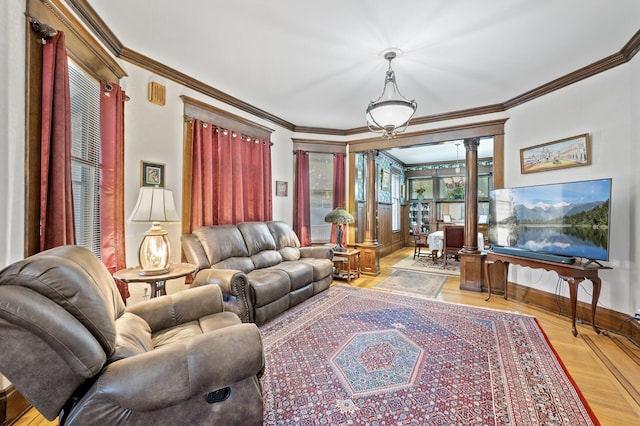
x=236 y=292
x=179 y=308
x=320 y=252
x=177 y=372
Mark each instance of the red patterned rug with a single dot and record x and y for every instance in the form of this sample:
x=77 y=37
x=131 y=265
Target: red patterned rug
x=356 y=356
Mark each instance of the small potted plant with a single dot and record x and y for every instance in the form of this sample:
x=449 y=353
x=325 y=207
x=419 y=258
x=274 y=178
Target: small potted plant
x=420 y=191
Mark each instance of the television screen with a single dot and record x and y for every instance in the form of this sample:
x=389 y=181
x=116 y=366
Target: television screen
x=568 y=219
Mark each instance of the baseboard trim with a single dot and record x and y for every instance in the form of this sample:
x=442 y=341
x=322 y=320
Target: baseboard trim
x=612 y=321
x=12 y=405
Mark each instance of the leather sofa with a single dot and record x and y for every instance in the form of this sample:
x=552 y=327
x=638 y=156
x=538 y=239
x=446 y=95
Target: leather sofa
x=260 y=266
x=75 y=352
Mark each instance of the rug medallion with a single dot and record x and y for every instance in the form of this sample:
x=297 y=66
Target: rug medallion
x=356 y=356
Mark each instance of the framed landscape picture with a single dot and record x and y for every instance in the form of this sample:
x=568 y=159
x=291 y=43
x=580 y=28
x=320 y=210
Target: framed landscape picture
x=151 y=174
x=570 y=152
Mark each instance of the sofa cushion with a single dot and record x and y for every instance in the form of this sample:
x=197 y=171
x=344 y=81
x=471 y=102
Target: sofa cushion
x=218 y=321
x=221 y=242
x=289 y=253
x=266 y=258
x=183 y=331
x=283 y=234
x=133 y=337
x=268 y=285
x=299 y=273
x=243 y=264
x=257 y=237
x=322 y=268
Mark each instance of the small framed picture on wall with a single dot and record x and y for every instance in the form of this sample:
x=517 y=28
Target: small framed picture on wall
x=151 y=174
x=282 y=188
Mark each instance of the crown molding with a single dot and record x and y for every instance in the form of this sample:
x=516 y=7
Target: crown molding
x=197 y=85
x=625 y=54
x=90 y=17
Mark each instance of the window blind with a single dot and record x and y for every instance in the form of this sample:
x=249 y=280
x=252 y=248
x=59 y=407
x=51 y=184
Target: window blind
x=85 y=157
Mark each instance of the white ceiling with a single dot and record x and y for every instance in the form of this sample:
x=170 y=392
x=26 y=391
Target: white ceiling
x=317 y=63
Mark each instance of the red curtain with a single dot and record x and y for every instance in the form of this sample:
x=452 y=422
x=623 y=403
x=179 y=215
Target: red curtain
x=339 y=193
x=56 y=196
x=112 y=219
x=230 y=177
x=302 y=214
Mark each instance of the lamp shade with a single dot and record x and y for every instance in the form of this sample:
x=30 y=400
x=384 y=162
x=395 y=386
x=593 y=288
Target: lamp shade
x=390 y=114
x=391 y=109
x=339 y=215
x=154 y=205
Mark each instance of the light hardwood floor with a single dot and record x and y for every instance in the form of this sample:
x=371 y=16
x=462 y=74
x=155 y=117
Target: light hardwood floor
x=605 y=368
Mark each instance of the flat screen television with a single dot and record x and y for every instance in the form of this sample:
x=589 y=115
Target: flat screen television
x=567 y=219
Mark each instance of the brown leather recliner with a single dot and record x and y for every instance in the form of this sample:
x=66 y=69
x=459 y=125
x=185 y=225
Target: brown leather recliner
x=73 y=350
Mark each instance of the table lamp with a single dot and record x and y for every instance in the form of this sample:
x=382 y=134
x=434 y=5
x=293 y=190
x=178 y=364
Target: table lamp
x=154 y=205
x=339 y=216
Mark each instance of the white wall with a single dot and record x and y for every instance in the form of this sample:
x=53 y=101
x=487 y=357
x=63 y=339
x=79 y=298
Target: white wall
x=12 y=53
x=12 y=101
x=601 y=106
x=634 y=182
x=155 y=133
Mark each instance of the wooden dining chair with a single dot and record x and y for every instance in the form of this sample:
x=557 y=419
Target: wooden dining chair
x=419 y=240
x=452 y=242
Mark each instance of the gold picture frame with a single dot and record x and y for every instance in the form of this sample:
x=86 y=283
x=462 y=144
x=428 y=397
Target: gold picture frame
x=151 y=174
x=569 y=152
x=385 y=183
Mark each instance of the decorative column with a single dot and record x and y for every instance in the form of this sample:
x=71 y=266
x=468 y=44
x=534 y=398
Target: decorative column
x=370 y=249
x=471 y=260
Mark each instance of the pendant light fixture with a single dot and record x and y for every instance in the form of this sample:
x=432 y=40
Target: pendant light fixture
x=390 y=114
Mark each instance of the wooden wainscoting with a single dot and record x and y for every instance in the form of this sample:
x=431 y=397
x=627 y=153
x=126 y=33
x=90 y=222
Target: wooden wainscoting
x=385 y=235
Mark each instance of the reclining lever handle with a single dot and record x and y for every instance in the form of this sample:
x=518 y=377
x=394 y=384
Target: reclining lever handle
x=218 y=395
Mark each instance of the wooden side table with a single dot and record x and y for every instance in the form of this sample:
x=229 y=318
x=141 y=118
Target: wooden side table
x=347 y=263
x=157 y=282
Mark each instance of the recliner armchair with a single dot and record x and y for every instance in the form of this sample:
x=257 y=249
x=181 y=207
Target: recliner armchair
x=74 y=351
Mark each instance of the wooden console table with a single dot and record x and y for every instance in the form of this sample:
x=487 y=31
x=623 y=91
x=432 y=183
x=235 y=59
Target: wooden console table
x=573 y=274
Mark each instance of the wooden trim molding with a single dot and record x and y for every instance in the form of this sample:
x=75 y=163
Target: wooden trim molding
x=93 y=21
x=197 y=109
x=83 y=49
x=319 y=146
x=81 y=45
x=486 y=128
x=607 y=319
x=190 y=82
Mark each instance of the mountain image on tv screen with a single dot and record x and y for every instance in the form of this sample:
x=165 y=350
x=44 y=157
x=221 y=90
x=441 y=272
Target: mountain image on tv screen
x=570 y=219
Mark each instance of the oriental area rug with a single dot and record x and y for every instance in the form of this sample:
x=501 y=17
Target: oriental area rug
x=413 y=283
x=425 y=264
x=357 y=356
